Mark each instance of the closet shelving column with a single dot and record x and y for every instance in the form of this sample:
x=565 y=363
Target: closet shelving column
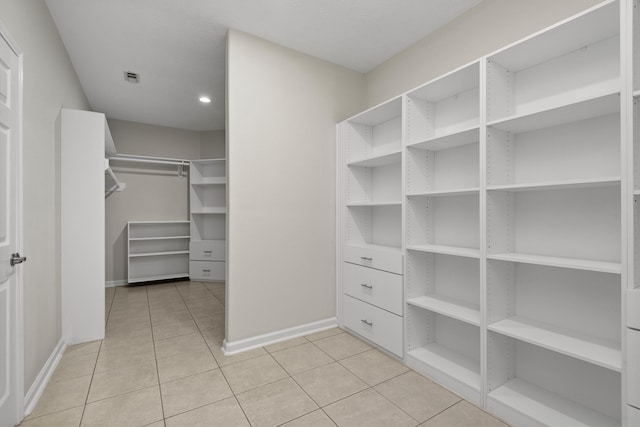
x=207 y=196
x=554 y=224
x=157 y=250
x=371 y=268
x=442 y=230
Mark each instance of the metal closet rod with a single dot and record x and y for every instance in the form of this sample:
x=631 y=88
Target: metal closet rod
x=148 y=159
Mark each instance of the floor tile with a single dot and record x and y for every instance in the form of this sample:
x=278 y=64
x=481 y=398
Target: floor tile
x=193 y=392
x=314 y=419
x=137 y=408
x=112 y=343
x=342 y=345
x=68 y=418
x=324 y=334
x=417 y=396
x=174 y=329
x=186 y=364
x=172 y=317
x=215 y=286
x=225 y=413
x=286 y=344
x=301 y=358
x=84 y=348
x=123 y=380
x=208 y=309
x=124 y=332
x=252 y=373
x=373 y=367
x=135 y=354
x=276 y=403
x=65 y=394
x=127 y=323
x=214 y=337
x=74 y=366
x=460 y=414
x=179 y=345
x=330 y=383
x=368 y=409
x=215 y=321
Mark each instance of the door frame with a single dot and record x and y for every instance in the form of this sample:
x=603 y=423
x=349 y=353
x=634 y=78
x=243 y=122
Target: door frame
x=18 y=352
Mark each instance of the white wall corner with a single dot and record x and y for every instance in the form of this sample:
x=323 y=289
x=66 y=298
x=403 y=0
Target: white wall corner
x=235 y=347
x=37 y=388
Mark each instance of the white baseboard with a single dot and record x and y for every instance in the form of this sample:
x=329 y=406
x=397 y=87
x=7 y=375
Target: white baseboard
x=235 y=347
x=41 y=381
x=114 y=283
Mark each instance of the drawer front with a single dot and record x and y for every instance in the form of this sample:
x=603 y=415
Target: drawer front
x=375 y=324
x=376 y=287
x=207 y=270
x=633 y=366
x=208 y=250
x=387 y=260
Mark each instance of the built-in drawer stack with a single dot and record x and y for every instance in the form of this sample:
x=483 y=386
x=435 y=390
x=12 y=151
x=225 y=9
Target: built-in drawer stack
x=372 y=261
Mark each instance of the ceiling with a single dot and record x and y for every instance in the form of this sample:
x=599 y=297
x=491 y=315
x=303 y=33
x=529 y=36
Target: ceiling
x=178 y=47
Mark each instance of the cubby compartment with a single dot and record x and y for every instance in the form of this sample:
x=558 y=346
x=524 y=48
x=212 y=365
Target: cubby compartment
x=152 y=267
x=208 y=198
x=444 y=284
x=374 y=134
x=442 y=111
x=443 y=171
x=559 y=68
x=530 y=385
x=208 y=226
x=374 y=185
x=158 y=230
x=572 y=228
x=573 y=312
x=446 y=224
x=208 y=172
x=445 y=349
x=374 y=225
x=583 y=153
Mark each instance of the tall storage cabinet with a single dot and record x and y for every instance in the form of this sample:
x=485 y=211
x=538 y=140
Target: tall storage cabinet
x=515 y=214
x=207 y=199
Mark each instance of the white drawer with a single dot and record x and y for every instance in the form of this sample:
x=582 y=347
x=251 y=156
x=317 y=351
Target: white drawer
x=633 y=308
x=633 y=366
x=376 y=287
x=375 y=324
x=208 y=250
x=633 y=416
x=207 y=270
x=374 y=257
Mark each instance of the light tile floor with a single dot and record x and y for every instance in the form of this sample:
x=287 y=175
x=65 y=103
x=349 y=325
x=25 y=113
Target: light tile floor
x=161 y=365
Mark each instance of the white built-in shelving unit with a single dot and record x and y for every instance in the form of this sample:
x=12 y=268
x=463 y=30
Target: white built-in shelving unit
x=208 y=201
x=509 y=197
x=157 y=250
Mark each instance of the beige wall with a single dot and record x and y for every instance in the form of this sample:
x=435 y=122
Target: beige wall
x=212 y=144
x=281 y=115
x=49 y=83
x=489 y=26
x=153 y=193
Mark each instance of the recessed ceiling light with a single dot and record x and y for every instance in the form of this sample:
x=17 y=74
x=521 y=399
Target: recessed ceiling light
x=205 y=99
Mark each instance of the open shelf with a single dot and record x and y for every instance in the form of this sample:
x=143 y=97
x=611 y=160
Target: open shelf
x=456 y=309
x=462 y=368
x=140 y=239
x=574 y=263
x=373 y=204
x=593 y=350
x=559 y=185
x=211 y=181
x=377 y=160
x=446 y=250
x=163 y=253
x=452 y=192
x=547 y=407
x=210 y=211
x=467 y=136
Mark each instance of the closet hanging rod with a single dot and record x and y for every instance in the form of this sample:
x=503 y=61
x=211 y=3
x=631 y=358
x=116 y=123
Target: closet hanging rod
x=148 y=159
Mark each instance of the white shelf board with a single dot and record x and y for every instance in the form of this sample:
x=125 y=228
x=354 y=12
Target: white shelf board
x=550 y=261
x=456 y=309
x=546 y=407
x=447 y=250
x=162 y=277
x=453 y=192
x=450 y=140
x=457 y=81
x=377 y=160
x=379 y=114
x=559 y=185
x=455 y=365
x=373 y=204
x=591 y=26
x=606 y=103
x=134 y=223
x=393 y=249
x=210 y=181
x=163 y=253
x=636 y=192
x=139 y=239
x=210 y=211
x=208 y=161
x=636 y=93
x=590 y=349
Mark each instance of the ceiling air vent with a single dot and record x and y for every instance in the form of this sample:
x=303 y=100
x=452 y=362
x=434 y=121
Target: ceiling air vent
x=131 y=77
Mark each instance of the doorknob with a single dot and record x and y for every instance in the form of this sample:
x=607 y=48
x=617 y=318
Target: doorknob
x=17 y=259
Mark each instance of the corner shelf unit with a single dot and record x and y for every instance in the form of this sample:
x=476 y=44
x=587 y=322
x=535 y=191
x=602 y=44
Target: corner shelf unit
x=208 y=201
x=516 y=191
x=157 y=250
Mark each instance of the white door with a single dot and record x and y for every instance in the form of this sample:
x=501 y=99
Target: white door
x=11 y=377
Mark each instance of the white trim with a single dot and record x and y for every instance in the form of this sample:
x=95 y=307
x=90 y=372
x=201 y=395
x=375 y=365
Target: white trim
x=41 y=381
x=114 y=283
x=235 y=347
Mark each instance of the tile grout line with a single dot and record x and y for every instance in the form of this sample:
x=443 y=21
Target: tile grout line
x=155 y=356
